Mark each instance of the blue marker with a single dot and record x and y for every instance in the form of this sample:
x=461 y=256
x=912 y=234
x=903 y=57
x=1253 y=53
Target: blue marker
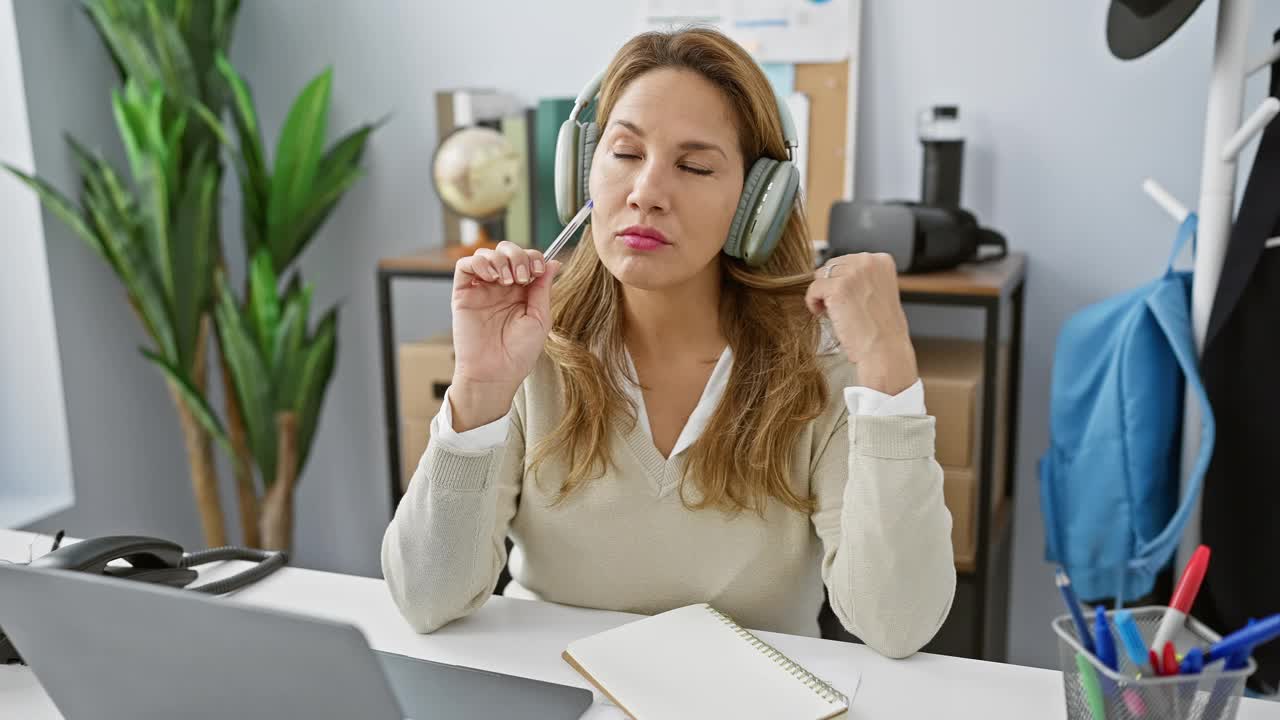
x=1244 y=640
x=1240 y=660
x=1192 y=663
x=1073 y=605
x=1106 y=644
x=1131 y=638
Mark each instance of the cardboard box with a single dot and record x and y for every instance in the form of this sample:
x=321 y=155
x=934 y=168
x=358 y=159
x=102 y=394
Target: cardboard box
x=952 y=374
x=414 y=435
x=999 y=482
x=960 y=490
x=425 y=371
x=999 y=468
x=951 y=371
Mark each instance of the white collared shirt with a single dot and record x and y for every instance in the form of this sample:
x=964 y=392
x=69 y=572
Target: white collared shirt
x=860 y=401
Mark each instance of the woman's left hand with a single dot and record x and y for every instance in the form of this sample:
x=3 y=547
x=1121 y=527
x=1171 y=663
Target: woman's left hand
x=859 y=293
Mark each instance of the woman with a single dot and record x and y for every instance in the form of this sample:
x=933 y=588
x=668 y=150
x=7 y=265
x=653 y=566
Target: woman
x=665 y=425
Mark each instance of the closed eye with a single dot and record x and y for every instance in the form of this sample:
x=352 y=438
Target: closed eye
x=687 y=168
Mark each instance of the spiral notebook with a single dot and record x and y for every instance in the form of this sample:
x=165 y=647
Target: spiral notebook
x=697 y=662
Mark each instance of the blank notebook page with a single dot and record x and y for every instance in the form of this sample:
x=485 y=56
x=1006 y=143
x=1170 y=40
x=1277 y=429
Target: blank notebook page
x=695 y=662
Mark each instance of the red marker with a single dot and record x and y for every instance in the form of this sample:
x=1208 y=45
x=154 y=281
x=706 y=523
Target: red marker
x=1156 y=667
x=1170 y=660
x=1185 y=594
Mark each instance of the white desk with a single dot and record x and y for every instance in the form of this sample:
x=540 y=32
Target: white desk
x=520 y=637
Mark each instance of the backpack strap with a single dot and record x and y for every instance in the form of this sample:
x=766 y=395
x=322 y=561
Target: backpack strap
x=1171 y=308
x=1049 y=508
x=1186 y=231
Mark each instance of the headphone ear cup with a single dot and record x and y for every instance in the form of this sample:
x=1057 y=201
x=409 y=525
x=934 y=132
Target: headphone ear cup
x=746 y=203
x=589 y=136
x=768 y=195
x=566 y=180
x=777 y=199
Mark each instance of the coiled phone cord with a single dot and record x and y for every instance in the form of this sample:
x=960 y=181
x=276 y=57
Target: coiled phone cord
x=268 y=561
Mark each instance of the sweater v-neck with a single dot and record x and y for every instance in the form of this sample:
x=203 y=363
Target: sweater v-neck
x=664 y=472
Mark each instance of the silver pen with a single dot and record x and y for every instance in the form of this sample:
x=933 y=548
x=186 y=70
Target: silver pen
x=563 y=238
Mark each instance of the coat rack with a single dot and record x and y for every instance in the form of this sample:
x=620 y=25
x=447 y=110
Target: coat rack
x=1224 y=137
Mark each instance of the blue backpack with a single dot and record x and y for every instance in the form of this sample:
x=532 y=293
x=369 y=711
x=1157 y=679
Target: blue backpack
x=1109 y=480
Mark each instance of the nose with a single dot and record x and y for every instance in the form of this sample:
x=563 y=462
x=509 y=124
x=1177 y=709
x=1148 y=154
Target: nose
x=650 y=189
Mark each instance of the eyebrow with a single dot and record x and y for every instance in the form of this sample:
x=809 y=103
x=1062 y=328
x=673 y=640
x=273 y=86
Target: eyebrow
x=688 y=145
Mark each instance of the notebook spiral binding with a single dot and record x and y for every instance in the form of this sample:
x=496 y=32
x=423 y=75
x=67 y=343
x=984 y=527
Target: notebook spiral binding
x=811 y=681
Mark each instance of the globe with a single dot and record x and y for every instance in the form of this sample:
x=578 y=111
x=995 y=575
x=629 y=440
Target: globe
x=476 y=172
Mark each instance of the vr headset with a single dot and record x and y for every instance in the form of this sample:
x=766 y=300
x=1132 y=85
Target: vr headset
x=921 y=238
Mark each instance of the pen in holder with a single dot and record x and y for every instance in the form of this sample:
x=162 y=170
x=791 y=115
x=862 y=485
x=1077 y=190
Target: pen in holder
x=1129 y=693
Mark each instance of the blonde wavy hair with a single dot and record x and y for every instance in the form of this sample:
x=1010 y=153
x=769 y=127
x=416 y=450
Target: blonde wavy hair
x=743 y=457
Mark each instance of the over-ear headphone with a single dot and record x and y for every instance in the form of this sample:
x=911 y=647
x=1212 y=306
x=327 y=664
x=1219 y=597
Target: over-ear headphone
x=768 y=192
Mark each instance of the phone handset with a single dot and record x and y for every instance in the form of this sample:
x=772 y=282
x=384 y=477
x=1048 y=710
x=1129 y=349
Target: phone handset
x=150 y=560
x=160 y=561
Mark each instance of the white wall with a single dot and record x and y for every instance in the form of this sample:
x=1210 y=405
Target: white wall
x=34 y=454
x=1064 y=134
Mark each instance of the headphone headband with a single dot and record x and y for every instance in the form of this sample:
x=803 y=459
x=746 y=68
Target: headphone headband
x=789 y=137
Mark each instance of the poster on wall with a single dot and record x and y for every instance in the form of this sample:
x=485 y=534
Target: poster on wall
x=787 y=31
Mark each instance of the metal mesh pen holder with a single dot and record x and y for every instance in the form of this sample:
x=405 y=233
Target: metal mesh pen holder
x=1213 y=694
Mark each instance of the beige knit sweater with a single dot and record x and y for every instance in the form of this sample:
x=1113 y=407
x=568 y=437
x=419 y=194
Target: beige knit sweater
x=880 y=538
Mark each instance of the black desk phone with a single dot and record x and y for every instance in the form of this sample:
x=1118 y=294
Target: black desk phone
x=149 y=560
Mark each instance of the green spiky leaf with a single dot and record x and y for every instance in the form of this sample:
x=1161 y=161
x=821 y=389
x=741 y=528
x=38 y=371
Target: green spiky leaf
x=143 y=286
x=224 y=15
x=250 y=162
x=129 y=111
x=252 y=384
x=193 y=252
x=170 y=52
x=264 y=305
x=290 y=338
x=194 y=400
x=298 y=154
x=101 y=182
x=122 y=27
x=339 y=170
x=345 y=154
x=316 y=373
x=62 y=208
x=314 y=214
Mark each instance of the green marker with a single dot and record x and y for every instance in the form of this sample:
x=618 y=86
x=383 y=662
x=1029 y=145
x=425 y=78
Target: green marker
x=1092 y=693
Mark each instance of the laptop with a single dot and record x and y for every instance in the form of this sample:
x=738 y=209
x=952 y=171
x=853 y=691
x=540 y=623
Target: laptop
x=112 y=649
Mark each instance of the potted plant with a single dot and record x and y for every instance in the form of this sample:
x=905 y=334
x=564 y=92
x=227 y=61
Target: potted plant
x=276 y=371
x=159 y=231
